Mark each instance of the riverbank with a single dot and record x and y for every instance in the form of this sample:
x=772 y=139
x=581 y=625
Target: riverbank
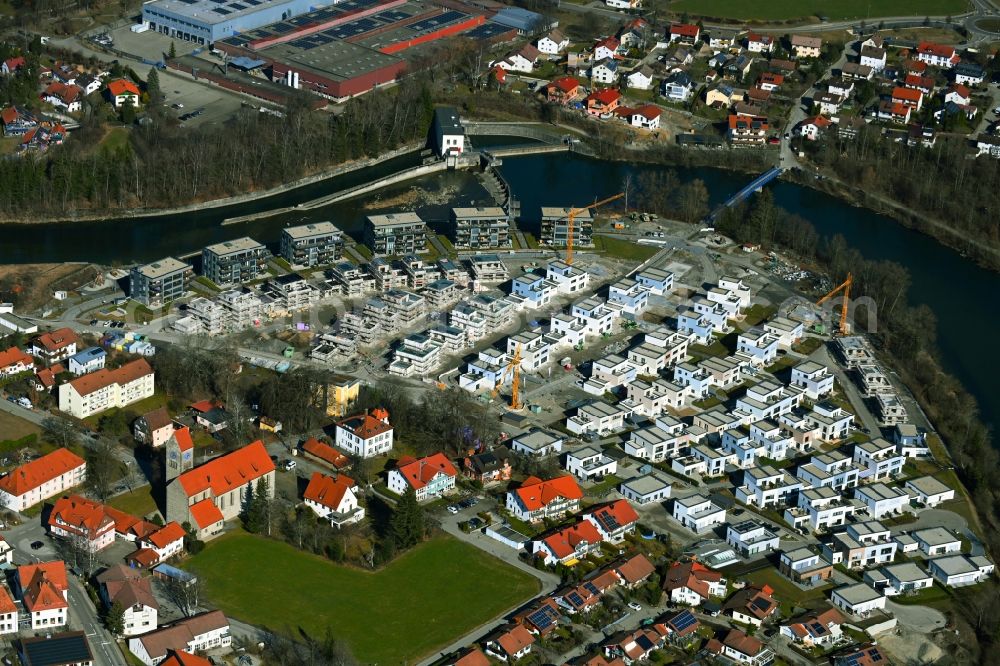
x=224 y=202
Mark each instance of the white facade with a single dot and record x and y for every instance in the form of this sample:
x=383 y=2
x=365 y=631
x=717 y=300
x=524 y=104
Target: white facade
x=858 y=599
x=361 y=438
x=961 y=570
x=104 y=389
x=698 y=513
x=590 y=463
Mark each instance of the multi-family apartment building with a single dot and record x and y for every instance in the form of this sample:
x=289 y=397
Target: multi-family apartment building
x=395 y=234
x=555 y=227
x=314 y=244
x=159 y=282
x=234 y=261
x=97 y=391
x=35 y=481
x=480 y=228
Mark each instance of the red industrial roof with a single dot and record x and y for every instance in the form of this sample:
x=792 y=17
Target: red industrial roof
x=684 y=29
x=325 y=452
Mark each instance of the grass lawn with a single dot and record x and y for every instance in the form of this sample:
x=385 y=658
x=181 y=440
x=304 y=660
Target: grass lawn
x=834 y=10
x=935 y=596
x=145 y=405
x=623 y=249
x=609 y=482
x=115 y=139
x=784 y=589
x=717 y=348
x=757 y=313
x=138 y=503
x=807 y=345
x=417 y=605
x=14 y=427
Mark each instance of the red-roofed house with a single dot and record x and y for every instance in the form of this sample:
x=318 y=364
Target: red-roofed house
x=17 y=122
x=770 y=81
x=13 y=361
x=815 y=628
x=38 y=480
x=129 y=527
x=182 y=658
x=958 y=94
x=365 y=435
x=54 y=346
x=606 y=48
x=603 y=102
x=429 y=477
x=44 y=590
x=153 y=428
x=63 y=96
x=8 y=612
x=686 y=33
x=122 y=92
x=638 y=645
x=692 y=583
x=646 y=116
x=910 y=97
x=757 y=43
x=471 y=657
x=752 y=605
x=895 y=112
x=322 y=452
x=634 y=571
x=745 y=649
x=510 y=644
x=214 y=492
x=334 y=499
x=535 y=499
x=613 y=520
x=567 y=545
x=937 y=55
x=82 y=521
x=924 y=84
x=98 y=391
x=11 y=65
x=563 y=90
x=165 y=542
x=812 y=128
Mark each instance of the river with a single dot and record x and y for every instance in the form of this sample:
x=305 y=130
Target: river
x=958 y=291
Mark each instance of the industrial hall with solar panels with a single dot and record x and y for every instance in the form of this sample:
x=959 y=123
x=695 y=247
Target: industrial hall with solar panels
x=336 y=50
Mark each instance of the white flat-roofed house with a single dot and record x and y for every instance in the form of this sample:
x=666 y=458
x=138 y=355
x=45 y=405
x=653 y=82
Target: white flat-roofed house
x=598 y=417
x=537 y=443
x=488 y=268
x=768 y=399
x=813 y=378
x=882 y=500
x=834 y=470
x=737 y=442
x=896 y=579
x=858 y=599
x=736 y=287
x=719 y=312
x=689 y=466
x=961 y=570
x=656 y=280
x=645 y=489
x=595 y=316
x=717 y=420
x=820 y=508
x=568 y=279
x=647 y=359
x=861 y=545
x=724 y=372
x=534 y=349
x=833 y=422
x=674 y=343
x=766 y=486
x=590 y=463
x=935 y=541
x=788 y=331
x=773 y=440
x=854 y=350
x=611 y=372
x=751 y=537
x=536 y=290
x=654 y=444
x=890 y=409
x=567 y=329
x=761 y=347
x=929 y=491
x=698 y=513
x=631 y=296
x=873 y=380
x=714 y=459
x=804 y=566
x=911 y=441
x=696 y=379
x=417 y=356
x=696 y=325
x=652 y=399
x=878 y=460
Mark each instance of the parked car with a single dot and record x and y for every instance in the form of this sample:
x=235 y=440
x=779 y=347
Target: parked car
x=35 y=545
x=452 y=509
x=634 y=605
x=289 y=465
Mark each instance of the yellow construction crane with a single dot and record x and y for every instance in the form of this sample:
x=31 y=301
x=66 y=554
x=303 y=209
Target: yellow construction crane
x=512 y=370
x=846 y=288
x=573 y=212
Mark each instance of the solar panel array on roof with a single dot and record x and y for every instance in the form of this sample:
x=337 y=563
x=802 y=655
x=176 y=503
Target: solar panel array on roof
x=817 y=628
x=607 y=520
x=255 y=3
x=683 y=620
x=433 y=22
x=761 y=604
x=574 y=598
x=543 y=618
x=642 y=640
x=590 y=587
x=487 y=30
x=220 y=10
x=392 y=16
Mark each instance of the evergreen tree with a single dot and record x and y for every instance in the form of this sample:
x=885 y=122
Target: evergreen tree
x=115 y=619
x=407 y=524
x=153 y=86
x=128 y=112
x=262 y=497
x=172 y=53
x=250 y=515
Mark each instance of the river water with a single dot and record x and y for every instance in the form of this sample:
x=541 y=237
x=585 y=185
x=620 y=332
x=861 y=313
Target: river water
x=963 y=295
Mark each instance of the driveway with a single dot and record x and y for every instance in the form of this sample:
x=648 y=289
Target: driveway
x=919 y=619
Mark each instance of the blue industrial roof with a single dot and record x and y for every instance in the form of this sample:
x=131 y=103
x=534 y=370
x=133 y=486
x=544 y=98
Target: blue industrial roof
x=515 y=17
x=243 y=62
